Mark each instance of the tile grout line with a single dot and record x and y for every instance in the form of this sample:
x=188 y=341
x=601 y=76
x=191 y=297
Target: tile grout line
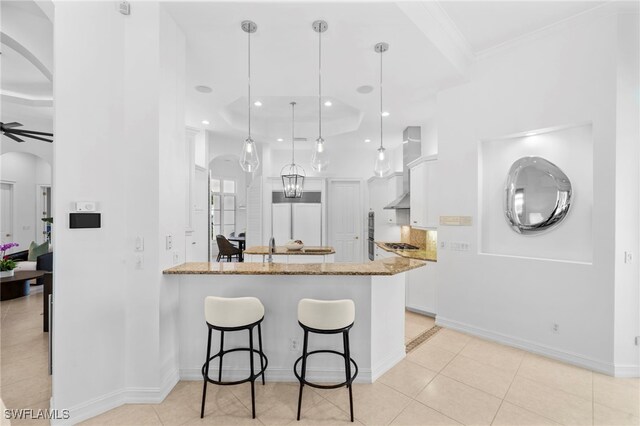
x=527 y=409
x=593 y=401
x=513 y=379
x=439 y=373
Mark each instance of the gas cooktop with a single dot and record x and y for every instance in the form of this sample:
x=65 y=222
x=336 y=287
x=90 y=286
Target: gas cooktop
x=400 y=246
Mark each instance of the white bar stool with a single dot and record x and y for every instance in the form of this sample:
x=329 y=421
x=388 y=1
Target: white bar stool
x=326 y=317
x=233 y=314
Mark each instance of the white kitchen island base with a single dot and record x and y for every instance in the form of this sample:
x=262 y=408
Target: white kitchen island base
x=377 y=337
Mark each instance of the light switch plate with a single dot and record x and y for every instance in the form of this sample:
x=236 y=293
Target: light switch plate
x=139 y=243
x=628 y=257
x=168 y=242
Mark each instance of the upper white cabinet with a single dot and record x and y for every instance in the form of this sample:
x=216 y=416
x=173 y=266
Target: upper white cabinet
x=424 y=210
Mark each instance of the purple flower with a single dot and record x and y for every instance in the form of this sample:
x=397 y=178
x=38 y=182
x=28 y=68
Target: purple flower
x=7 y=246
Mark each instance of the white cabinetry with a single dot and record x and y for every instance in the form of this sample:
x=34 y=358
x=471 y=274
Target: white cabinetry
x=423 y=175
x=421 y=289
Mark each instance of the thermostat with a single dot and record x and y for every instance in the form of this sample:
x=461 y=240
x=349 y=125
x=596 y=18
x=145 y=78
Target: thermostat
x=86 y=206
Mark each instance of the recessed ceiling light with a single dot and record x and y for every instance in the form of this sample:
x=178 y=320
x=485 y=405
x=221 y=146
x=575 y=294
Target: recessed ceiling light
x=385 y=113
x=257 y=103
x=280 y=140
x=204 y=89
x=205 y=122
x=328 y=103
x=367 y=140
x=364 y=89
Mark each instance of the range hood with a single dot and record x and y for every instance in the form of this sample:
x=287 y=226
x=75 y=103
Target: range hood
x=411 y=150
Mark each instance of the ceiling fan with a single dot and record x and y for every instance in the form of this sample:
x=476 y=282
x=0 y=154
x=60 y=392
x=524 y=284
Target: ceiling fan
x=10 y=131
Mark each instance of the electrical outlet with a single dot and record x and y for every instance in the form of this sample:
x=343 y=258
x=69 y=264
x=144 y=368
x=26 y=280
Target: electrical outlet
x=443 y=245
x=628 y=257
x=176 y=257
x=555 y=328
x=294 y=345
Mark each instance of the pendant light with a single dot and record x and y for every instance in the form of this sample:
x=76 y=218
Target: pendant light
x=320 y=158
x=382 y=164
x=249 y=160
x=292 y=174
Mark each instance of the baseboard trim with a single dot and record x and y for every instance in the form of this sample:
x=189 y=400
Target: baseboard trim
x=278 y=375
x=419 y=310
x=387 y=364
x=560 y=355
x=131 y=395
x=627 y=370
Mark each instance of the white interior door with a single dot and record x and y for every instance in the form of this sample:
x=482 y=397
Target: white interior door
x=281 y=222
x=307 y=223
x=7 y=213
x=345 y=220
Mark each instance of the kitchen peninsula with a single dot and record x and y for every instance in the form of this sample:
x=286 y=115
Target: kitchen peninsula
x=377 y=337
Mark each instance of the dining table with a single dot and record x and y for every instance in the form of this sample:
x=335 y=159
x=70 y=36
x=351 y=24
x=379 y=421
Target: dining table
x=241 y=245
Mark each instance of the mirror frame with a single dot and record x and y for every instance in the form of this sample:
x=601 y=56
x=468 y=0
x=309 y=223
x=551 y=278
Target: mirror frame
x=564 y=195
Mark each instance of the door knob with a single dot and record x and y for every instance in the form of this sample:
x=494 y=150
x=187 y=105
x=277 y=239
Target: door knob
x=356 y=237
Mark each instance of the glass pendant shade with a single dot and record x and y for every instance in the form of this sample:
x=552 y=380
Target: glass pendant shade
x=320 y=158
x=249 y=160
x=382 y=164
x=292 y=180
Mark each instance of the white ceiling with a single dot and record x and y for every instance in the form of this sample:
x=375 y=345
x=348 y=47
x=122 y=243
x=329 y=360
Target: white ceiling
x=485 y=24
x=284 y=62
x=25 y=66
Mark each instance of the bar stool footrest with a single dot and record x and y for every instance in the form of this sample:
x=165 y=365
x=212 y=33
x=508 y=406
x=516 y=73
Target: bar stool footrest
x=316 y=385
x=236 y=382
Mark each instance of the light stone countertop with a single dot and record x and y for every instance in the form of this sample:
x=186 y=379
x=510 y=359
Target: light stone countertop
x=281 y=250
x=427 y=255
x=391 y=266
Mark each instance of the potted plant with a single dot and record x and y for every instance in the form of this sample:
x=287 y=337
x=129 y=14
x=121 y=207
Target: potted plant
x=7 y=265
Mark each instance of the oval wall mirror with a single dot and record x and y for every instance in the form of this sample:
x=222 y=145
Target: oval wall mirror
x=537 y=195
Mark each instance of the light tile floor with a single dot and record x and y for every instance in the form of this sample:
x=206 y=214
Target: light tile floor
x=415 y=325
x=450 y=379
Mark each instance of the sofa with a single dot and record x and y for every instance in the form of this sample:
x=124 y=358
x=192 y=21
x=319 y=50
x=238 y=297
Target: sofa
x=43 y=262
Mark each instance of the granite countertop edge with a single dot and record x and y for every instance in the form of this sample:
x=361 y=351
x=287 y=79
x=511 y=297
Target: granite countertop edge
x=386 y=267
x=424 y=255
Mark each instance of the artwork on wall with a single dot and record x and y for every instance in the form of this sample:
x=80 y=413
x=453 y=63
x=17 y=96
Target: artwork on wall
x=537 y=197
x=567 y=149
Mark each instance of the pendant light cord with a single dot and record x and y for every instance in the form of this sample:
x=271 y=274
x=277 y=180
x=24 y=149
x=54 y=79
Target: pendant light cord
x=320 y=84
x=249 y=80
x=293 y=120
x=381 y=52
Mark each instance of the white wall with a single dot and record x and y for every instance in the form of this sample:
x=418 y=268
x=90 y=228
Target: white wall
x=627 y=235
x=571 y=149
x=26 y=172
x=114 y=335
x=566 y=76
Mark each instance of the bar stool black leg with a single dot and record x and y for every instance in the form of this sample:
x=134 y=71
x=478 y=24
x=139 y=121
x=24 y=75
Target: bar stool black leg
x=303 y=371
x=206 y=373
x=253 y=380
x=221 y=355
x=260 y=344
x=347 y=366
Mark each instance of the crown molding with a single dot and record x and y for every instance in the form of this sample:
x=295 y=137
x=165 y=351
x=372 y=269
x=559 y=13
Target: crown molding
x=437 y=26
x=607 y=9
